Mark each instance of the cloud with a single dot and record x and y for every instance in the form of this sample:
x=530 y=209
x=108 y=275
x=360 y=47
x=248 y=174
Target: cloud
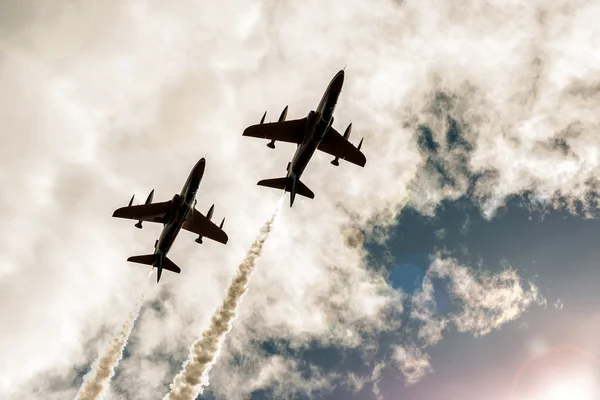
x=489 y=300
x=108 y=98
x=484 y=301
x=277 y=375
x=413 y=364
x=558 y=304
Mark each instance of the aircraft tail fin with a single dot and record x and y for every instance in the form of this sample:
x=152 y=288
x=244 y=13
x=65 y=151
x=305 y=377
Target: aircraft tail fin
x=160 y=262
x=289 y=184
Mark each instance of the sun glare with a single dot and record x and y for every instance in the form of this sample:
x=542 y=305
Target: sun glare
x=580 y=389
x=558 y=373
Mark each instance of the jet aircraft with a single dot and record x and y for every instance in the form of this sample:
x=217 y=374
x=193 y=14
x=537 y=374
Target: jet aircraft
x=311 y=133
x=175 y=214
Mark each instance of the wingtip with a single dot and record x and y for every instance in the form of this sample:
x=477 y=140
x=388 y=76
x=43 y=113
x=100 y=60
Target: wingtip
x=246 y=131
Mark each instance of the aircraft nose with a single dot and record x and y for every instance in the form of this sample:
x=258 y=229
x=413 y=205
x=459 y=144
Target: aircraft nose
x=338 y=81
x=199 y=168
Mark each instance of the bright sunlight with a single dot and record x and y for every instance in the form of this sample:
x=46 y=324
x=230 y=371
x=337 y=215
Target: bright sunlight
x=573 y=389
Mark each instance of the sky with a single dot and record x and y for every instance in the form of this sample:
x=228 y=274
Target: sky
x=459 y=263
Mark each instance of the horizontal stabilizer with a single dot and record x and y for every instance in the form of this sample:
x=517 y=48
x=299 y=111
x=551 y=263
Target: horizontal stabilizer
x=170 y=265
x=303 y=190
x=148 y=259
x=276 y=183
x=286 y=185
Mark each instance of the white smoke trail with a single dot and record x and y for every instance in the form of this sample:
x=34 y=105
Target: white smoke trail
x=205 y=350
x=103 y=368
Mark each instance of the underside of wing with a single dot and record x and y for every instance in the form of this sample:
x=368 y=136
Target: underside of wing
x=333 y=143
x=153 y=212
x=200 y=225
x=291 y=131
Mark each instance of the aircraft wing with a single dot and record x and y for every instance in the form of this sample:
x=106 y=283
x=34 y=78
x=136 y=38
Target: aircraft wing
x=153 y=212
x=335 y=144
x=200 y=225
x=291 y=131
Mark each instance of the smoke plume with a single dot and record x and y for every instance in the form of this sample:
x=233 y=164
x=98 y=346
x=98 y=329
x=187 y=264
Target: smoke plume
x=103 y=369
x=205 y=350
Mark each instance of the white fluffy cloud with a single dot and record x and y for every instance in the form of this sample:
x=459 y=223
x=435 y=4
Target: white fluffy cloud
x=412 y=362
x=486 y=301
x=102 y=99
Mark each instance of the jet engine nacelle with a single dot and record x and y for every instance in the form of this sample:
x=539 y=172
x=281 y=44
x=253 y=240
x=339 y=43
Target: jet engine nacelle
x=209 y=215
x=148 y=201
x=346 y=136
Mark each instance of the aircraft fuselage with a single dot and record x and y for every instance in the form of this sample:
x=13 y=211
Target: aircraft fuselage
x=318 y=123
x=181 y=207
